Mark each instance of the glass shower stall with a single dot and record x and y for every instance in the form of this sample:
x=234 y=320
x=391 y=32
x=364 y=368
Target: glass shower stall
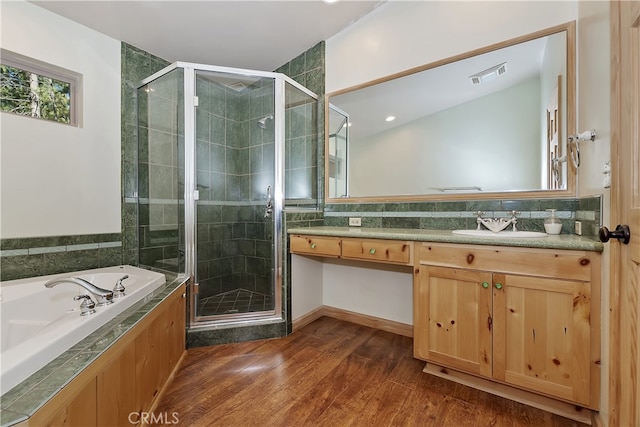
x=221 y=152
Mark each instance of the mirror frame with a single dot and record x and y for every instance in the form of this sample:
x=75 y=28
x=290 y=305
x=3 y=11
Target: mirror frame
x=570 y=191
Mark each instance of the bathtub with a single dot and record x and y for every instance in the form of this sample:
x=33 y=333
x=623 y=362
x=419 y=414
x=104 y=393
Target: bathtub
x=38 y=324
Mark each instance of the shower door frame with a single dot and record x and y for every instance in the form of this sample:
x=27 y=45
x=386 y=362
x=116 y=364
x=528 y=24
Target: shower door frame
x=190 y=190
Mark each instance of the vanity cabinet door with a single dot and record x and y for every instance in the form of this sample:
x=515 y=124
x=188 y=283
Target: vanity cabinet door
x=453 y=318
x=541 y=335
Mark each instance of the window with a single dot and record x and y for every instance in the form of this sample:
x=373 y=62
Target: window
x=37 y=89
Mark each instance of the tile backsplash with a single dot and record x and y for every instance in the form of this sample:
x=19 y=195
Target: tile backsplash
x=41 y=256
x=462 y=214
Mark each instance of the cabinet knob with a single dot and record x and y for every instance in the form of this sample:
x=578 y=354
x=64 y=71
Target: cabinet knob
x=312 y=245
x=498 y=285
x=485 y=285
x=372 y=251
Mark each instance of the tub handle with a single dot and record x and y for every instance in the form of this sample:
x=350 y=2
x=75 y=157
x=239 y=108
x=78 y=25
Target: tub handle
x=87 y=306
x=118 y=289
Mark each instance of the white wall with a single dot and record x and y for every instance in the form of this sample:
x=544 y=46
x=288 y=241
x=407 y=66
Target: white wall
x=58 y=179
x=402 y=35
x=594 y=72
x=372 y=289
x=306 y=289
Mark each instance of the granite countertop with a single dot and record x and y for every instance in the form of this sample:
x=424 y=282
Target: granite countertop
x=562 y=241
x=22 y=401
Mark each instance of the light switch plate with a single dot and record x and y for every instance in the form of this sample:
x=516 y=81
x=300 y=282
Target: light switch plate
x=578 y=228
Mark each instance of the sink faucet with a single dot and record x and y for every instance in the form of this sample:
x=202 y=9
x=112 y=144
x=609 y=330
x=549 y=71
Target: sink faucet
x=103 y=296
x=479 y=218
x=497 y=224
x=514 y=219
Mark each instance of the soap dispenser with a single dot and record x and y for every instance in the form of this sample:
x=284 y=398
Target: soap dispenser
x=552 y=225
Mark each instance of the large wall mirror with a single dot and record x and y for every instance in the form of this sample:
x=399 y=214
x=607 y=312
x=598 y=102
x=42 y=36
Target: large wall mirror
x=491 y=123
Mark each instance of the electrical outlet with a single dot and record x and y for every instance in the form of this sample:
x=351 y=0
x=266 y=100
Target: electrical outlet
x=355 y=222
x=578 y=228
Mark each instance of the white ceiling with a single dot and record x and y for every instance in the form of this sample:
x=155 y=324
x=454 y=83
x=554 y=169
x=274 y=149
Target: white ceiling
x=258 y=35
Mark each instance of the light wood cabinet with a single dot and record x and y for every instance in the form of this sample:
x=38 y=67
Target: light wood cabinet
x=452 y=321
x=542 y=335
x=373 y=250
x=128 y=378
x=389 y=251
x=314 y=245
x=524 y=317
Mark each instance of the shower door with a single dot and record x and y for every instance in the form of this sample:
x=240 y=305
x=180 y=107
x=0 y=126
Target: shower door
x=237 y=214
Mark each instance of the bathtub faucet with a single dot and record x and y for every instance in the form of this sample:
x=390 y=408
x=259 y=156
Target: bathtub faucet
x=103 y=296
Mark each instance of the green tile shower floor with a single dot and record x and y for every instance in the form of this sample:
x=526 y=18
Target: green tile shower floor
x=235 y=301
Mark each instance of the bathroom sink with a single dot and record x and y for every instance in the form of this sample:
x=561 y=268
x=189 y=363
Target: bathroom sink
x=500 y=234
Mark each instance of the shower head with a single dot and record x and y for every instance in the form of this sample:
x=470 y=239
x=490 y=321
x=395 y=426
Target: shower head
x=262 y=123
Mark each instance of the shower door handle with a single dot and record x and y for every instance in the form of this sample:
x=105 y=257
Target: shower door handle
x=269 y=208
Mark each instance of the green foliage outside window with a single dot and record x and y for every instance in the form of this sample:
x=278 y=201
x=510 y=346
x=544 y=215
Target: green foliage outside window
x=29 y=94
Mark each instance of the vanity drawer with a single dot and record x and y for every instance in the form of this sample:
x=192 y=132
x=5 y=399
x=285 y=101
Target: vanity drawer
x=565 y=264
x=398 y=252
x=314 y=245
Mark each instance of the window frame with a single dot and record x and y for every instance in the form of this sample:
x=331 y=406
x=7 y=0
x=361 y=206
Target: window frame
x=41 y=68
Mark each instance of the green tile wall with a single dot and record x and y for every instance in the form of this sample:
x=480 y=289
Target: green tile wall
x=136 y=65
x=41 y=256
x=161 y=173
x=234 y=158
x=304 y=138
x=589 y=212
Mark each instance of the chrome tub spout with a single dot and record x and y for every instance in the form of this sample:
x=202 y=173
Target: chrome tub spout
x=103 y=296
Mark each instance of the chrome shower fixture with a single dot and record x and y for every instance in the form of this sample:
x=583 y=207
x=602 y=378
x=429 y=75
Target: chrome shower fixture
x=262 y=123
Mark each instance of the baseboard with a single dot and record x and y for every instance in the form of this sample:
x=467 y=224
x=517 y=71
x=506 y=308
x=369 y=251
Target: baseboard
x=358 y=318
x=304 y=320
x=597 y=420
x=548 y=404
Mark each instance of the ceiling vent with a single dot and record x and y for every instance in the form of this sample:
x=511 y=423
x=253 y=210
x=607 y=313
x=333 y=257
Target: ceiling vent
x=238 y=86
x=489 y=74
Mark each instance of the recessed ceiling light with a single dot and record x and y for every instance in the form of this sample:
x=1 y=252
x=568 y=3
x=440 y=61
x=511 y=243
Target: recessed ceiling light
x=390 y=118
x=489 y=74
x=330 y=1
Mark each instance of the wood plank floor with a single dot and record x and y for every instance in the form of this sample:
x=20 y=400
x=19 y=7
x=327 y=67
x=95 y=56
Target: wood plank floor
x=330 y=373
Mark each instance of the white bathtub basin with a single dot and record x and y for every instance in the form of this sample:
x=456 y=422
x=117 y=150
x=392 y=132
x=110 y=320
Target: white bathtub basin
x=500 y=234
x=38 y=324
